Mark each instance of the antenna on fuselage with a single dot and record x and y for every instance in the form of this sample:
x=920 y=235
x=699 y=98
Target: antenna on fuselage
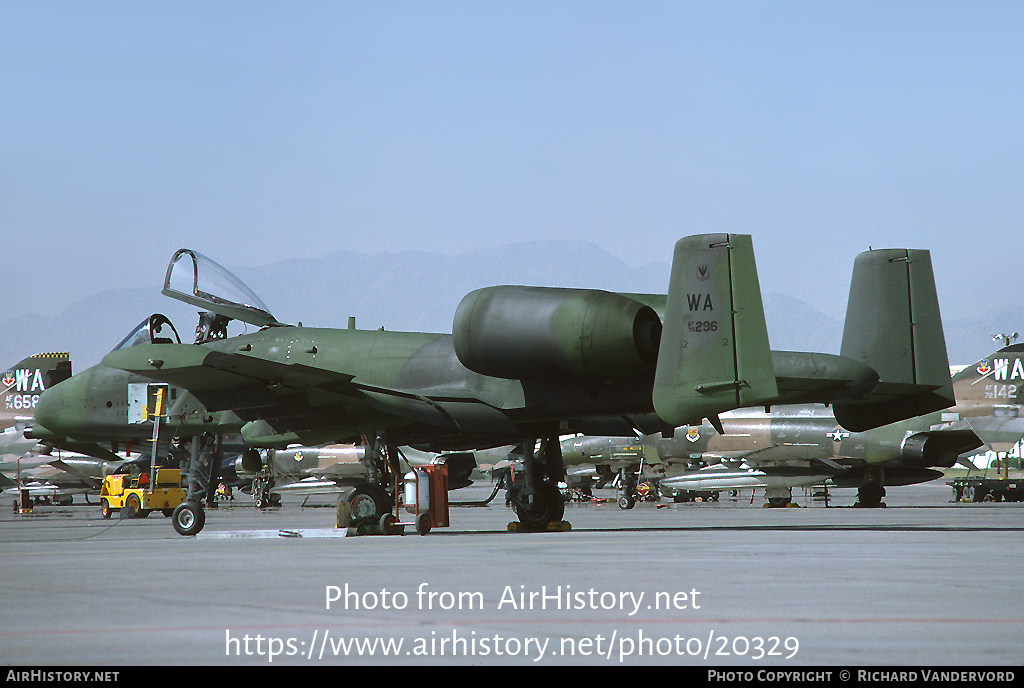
x=1007 y=338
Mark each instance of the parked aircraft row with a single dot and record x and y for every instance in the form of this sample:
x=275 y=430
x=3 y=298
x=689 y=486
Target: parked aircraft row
x=528 y=365
x=799 y=445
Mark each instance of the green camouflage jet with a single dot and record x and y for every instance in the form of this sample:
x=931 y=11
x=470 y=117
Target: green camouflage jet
x=797 y=445
x=21 y=387
x=522 y=363
x=24 y=382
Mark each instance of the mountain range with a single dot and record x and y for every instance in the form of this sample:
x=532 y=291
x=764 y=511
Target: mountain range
x=418 y=291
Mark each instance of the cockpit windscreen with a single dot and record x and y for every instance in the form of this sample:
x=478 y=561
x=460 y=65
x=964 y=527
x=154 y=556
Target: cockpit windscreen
x=156 y=329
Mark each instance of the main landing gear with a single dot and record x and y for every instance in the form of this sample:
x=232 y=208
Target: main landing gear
x=373 y=500
x=262 y=485
x=870 y=493
x=779 y=497
x=535 y=497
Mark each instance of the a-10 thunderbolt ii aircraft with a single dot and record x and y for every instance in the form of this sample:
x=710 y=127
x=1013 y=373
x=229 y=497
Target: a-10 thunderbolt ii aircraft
x=521 y=364
x=799 y=445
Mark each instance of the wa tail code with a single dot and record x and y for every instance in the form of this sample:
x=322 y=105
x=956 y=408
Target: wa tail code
x=700 y=302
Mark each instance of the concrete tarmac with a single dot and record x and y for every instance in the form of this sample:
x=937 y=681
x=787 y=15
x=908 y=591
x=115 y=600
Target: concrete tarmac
x=923 y=582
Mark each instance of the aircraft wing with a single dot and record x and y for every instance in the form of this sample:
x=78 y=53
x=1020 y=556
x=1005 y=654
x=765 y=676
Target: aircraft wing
x=42 y=489
x=89 y=481
x=284 y=393
x=222 y=381
x=1005 y=430
x=87 y=448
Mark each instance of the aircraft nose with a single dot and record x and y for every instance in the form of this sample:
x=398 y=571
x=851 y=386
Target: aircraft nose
x=51 y=410
x=47 y=408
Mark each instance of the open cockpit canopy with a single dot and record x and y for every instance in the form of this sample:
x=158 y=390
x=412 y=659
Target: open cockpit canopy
x=197 y=280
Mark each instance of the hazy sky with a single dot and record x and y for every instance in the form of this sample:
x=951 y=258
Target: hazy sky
x=253 y=131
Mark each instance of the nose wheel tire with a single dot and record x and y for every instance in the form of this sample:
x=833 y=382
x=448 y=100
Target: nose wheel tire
x=188 y=518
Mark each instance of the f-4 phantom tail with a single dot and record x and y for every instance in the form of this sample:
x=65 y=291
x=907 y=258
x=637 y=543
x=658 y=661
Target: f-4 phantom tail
x=521 y=364
x=21 y=387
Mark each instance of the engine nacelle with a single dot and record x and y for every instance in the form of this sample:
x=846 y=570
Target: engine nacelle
x=939 y=449
x=544 y=332
x=248 y=464
x=460 y=467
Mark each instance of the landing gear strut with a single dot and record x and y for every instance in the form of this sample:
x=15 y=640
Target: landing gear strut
x=188 y=518
x=371 y=501
x=628 y=478
x=536 y=499
x=262 y=485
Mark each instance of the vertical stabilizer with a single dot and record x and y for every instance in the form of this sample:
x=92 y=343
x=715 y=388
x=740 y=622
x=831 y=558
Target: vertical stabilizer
x=714 y=353
x=23 y=383
x=893 y=325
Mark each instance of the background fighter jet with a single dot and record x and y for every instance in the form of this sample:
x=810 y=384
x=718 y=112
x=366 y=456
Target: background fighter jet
x=329 y=469
x=54 y=476
x=522 y=363
x=798 y=445
x=20 y=388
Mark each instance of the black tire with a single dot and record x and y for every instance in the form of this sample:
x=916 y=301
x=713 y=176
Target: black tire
x=367 y=501
x=626 y=503
x=870 y=494
x=547 y=508
x=105 y=509
x=188 y=518
x=387 y=524
x=423 y=524
x=131 y=507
